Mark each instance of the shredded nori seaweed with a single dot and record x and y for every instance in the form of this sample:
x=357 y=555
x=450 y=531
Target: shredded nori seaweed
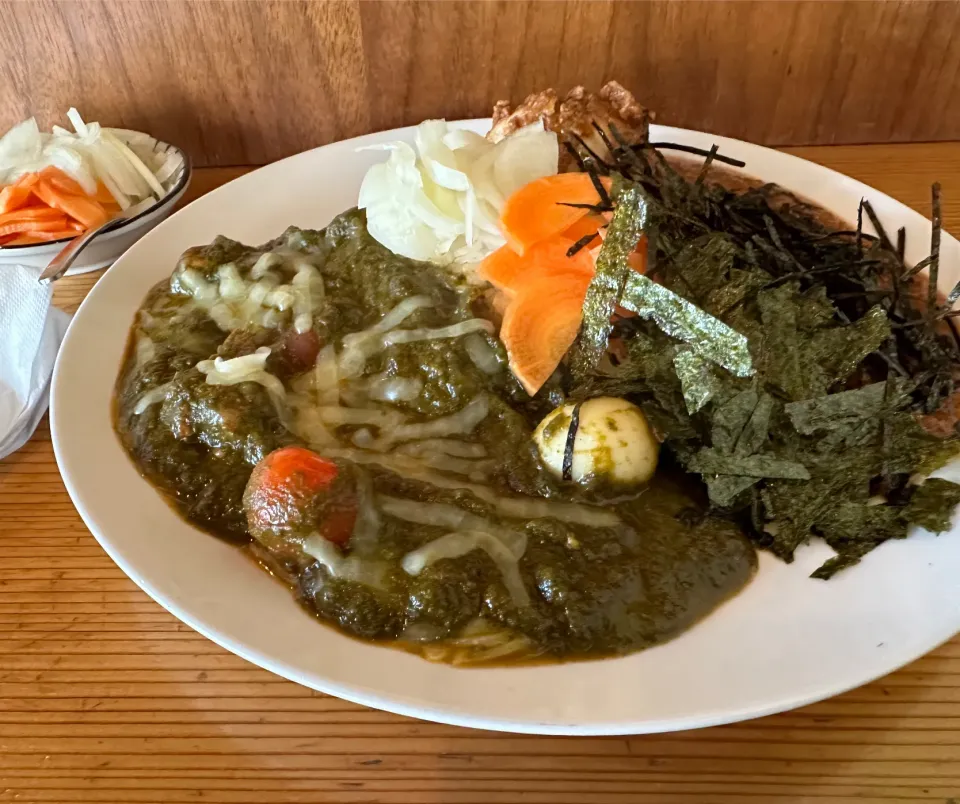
x=606 y=287
x=932 y=503
x=696 y=379
x=707 y=336
x=789 y=364
x=570 y=444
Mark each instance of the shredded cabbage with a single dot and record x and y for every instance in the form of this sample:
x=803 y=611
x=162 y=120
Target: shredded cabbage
x=441 y=201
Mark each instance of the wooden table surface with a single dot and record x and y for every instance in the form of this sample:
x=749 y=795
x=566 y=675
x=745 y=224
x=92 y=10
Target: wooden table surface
x=105 y=697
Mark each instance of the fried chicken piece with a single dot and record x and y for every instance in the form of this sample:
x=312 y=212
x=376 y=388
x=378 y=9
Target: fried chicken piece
x=538 y=106
x=576 y=114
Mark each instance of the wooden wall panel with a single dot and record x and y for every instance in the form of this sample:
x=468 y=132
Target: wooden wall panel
x=249 y=82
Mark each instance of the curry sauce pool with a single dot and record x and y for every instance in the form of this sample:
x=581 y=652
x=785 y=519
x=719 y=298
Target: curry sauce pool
x=449 y=534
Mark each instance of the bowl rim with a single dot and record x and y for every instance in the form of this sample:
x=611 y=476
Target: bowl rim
x=171 y=196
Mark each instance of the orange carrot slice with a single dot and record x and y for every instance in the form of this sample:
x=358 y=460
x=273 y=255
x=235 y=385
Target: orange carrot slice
x=80 y=208
x=64 y=183
x=18 y=194
x=506 y=270
x=550 y=259
x=32 y=226
x=61 y=181
x=41 y=237
x=36 y=238
x=540 y=325
x=31 y=214
x=537 y=210
x=502 y=267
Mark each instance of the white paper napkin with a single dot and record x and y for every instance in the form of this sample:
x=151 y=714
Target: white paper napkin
x=30 y=334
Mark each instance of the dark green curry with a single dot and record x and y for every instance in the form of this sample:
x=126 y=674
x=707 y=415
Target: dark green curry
x=439 y=528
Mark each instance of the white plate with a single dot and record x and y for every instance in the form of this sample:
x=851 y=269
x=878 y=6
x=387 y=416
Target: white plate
x=785 y=641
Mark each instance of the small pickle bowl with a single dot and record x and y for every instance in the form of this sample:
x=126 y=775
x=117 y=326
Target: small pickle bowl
x=105 y=248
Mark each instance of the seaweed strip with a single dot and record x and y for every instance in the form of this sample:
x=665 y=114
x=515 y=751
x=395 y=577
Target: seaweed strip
x=921 y=322
x=590 y=152
x=690 y=149
x=860 y=227
x=881 y=232
x=706 y=166
x=680 y=319
x=698 y=384
x=581 y=243
x=606 y=287
x=778 y=243
x=576 y=155
x=605 y=200
x=952 y=297
x=603 y=136
x=591 y=207
x=822 y=269
x=911 y=272
x=626 y=150
x=934 y=249
x=570 y=443
x=886 y=436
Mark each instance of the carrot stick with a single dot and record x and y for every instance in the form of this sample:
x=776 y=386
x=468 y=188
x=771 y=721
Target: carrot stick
x=85 y=210
x=18 y=194
x=31 y=214
x=61 y=181
x=32 y=227
x=39 y=237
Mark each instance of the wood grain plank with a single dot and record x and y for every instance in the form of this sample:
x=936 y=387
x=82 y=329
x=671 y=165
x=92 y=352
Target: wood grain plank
x=250 y=82
x=105 y=697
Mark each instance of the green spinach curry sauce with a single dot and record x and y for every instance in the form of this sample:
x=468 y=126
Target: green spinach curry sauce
x=434 y=435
